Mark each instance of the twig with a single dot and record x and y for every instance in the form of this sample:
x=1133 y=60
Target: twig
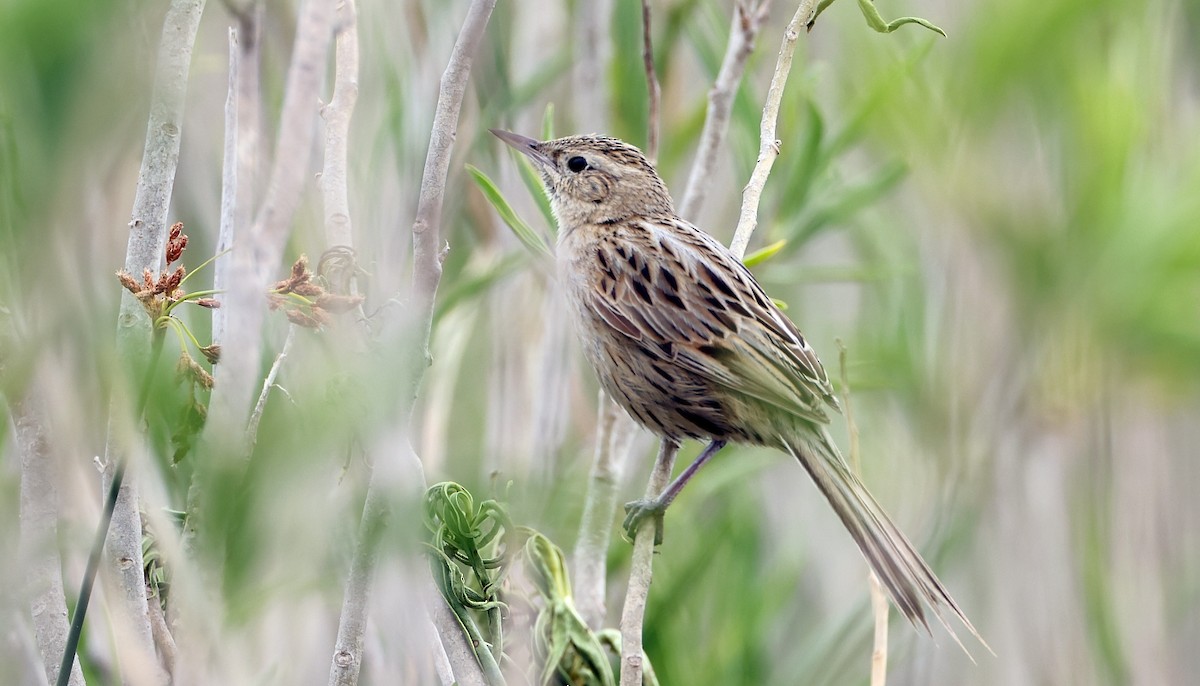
x=638 y=589
x=879 y=654
x=614 y=436
x=243 y=103
x=243 y=107
x=352 y=624
x=39 y=537
x=147 y=240
x=634 y=610
x=748 y=16
x=592 y=22
x=428 y=253
x=652 y=88
x=229 y=188
x=268 y=383
x=334 y=185
x=346 y=662
x=163 y=639
x=768 y=148
x=879 y=601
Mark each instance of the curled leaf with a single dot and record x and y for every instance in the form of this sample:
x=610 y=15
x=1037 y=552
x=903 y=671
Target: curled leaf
x=876 y=22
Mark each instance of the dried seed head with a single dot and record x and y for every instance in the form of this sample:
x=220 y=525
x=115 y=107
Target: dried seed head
x=308 y=289
x=300 y=269
x=212 y=353
x=176 y=242
x=129 y=282
x=172 y=281
x=300 y=318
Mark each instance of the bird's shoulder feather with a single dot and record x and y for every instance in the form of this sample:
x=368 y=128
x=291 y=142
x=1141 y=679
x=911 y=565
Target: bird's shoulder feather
x=667 y=285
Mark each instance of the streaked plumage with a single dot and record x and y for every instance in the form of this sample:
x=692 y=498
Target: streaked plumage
x=682 y=336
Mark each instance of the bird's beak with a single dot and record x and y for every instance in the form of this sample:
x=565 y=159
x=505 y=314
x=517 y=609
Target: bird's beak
x=528 y=146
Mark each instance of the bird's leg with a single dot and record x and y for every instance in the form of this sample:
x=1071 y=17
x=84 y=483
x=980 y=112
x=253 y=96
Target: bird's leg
x=638 y=510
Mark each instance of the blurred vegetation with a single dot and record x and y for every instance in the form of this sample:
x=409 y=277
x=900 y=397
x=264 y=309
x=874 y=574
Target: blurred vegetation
x=1003 y=226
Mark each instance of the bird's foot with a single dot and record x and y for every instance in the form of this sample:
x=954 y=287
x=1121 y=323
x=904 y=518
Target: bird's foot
x=638 y=511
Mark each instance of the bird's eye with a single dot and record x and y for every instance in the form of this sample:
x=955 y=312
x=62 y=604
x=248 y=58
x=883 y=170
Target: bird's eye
x=577 y=164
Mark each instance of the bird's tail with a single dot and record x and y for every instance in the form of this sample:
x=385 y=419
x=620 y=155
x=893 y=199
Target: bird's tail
x=908 y=580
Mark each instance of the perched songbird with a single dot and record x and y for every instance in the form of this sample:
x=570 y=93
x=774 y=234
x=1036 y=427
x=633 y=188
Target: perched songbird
x=683 y=337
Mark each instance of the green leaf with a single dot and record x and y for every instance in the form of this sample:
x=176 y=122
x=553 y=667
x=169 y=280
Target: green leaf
x=816 y=13
x=765 y=253
x=525 y=233
x=871 y=14
x=533 y=182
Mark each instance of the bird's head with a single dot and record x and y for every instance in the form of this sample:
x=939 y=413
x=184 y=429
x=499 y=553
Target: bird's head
x=594 y=179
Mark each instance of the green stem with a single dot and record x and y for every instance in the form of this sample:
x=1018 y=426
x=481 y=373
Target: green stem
x=203 y=264
x=190 y=296
x=110 y=503
x=184 y=333
x=175 y=324
x=491 y=669
x=495 y=627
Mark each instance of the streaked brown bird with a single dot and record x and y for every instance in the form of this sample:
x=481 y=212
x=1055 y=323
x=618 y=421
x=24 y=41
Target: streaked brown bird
x=682 y=336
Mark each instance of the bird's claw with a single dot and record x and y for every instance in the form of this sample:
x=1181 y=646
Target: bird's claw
x=636 y=512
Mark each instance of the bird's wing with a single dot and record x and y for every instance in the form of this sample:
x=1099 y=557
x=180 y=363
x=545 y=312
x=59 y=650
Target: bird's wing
x=684 y=297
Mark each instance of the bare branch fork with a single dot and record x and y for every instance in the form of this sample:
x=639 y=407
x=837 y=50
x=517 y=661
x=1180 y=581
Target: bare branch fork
x=347 y=657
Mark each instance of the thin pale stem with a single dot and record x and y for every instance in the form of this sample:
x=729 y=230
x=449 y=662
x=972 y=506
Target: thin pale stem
x=268 y=383
x=593 y=20
x=147 y=239
x=879 y=601
x=614 y=437
x=428 y=252
x=652 y=88
x=39 y=533
x=634 y=611
x=748 y=16
x=428 y=255
x=229 y=184
x=768 y=148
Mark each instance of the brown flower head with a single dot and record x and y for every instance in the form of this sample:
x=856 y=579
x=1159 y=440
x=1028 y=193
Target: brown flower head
x=176 y=242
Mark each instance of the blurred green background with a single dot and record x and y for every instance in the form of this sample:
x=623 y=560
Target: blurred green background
x=1002 y=227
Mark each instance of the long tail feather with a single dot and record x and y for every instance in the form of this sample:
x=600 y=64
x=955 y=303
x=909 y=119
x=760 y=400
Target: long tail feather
x=900 y=568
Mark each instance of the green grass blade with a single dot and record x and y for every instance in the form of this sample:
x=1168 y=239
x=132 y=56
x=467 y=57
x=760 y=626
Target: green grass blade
x=524 y=232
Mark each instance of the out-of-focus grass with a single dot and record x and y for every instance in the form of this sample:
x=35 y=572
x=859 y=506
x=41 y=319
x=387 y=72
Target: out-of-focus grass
x=1002 y=225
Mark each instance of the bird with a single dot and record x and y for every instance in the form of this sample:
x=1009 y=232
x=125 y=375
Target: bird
x=683 y=337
